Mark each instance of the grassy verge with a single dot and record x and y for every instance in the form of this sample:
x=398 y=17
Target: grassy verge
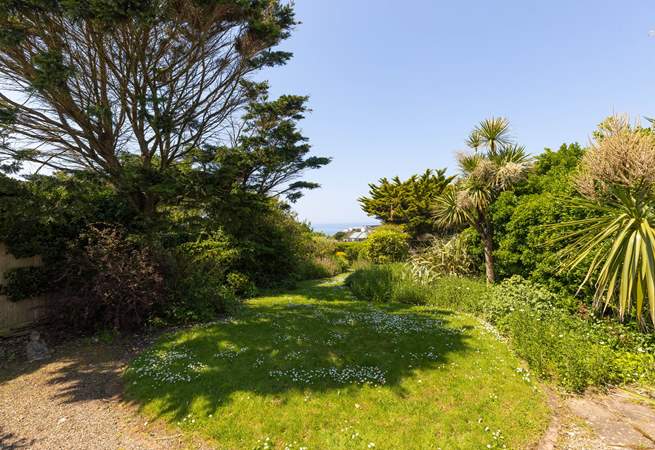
x=543 y=328
x=314 y=368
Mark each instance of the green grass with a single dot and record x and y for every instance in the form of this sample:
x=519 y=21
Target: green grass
x=315 y=368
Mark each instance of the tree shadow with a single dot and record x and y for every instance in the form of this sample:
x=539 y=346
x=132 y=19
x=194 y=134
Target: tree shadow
x=308 y=340
x=9 y=441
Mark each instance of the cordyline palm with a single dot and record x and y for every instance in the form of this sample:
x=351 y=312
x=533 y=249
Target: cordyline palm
x=617 y=186
x=484 y=175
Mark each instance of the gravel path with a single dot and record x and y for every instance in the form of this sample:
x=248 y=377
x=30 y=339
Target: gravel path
x=73 y=401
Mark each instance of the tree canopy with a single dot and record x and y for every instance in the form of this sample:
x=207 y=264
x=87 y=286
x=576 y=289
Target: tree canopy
x=407 y=202
x=85 y=84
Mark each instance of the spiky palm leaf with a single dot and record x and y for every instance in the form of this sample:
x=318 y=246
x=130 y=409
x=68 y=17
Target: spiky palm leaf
x=494 y=133
x=448 y=210
x=510 y=153
x=619 y=240
x=474 y=140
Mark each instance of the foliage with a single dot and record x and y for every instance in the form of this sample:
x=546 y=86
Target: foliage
x=387 y=244
x=241 y=285
x=484 y=176
x=111 y=282
x=542 y=327
x=352 y=250
x=270 y=152
x=383 y=283
x=202 y=287
x=617 y=188
x=407 y=202
x=312 y=358
x=443 y=256
x=374 y=283
x=25 y=282
x=88 y=98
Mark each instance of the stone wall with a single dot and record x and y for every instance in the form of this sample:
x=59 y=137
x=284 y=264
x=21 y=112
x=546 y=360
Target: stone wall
x=16 y=315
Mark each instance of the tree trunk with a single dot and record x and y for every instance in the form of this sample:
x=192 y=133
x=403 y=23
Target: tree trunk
x=488 y=243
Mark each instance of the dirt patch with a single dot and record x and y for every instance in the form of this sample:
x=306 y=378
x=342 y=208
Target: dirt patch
x=73 y=401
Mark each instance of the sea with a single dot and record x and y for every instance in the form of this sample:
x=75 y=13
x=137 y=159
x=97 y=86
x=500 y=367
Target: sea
x=332 y=228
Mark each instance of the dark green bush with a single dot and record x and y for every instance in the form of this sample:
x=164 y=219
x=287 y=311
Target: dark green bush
x=108 y=281
x=205 y=284
x=25 y=282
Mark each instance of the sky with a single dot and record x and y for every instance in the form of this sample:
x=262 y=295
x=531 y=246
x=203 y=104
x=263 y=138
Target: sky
x=395 y=87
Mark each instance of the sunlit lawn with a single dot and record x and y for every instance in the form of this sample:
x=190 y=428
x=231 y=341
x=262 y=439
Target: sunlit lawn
x=316 y=369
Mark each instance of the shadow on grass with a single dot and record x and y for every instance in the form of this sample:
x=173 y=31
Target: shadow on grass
x=286 y=342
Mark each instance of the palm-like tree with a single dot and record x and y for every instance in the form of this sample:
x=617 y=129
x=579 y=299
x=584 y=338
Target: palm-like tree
x=617 y=186
x=484 y=174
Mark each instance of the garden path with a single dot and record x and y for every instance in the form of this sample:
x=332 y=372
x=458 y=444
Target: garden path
x=73 y=401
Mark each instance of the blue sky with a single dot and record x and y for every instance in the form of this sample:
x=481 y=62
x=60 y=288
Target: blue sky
x=395 y=87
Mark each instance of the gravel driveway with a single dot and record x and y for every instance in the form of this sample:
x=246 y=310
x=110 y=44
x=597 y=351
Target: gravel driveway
x=73 y=401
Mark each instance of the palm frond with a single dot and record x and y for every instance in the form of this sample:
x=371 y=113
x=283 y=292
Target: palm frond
x=619 y=244
x=448 y=210
x=474 y=140
x=494 y=133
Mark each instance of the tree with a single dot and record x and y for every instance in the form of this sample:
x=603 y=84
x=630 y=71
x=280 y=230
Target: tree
x=616 y=183
x=270 y=152
x=485 y=174
x=406 y=202
x=128 y=89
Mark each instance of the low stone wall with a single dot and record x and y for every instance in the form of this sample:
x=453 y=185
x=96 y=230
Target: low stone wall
x=17 y=315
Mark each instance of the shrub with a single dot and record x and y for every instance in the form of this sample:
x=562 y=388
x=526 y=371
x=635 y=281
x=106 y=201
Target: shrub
x=374 y=283
x=25 y=282
x=204 y=284
x=241 y=285
x=518 y=294
x=352 y=250
x=200 y=297
x=111 y=283
x=443 y=257
x=541 y=326
x=387 y=244
x=388 y=282
x=323 y=267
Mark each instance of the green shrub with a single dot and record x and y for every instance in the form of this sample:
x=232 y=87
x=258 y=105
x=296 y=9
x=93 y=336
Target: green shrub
x=112 y=282
x=518 y=294
x=205 y=284
x=374 y=283
x=200 y=297
x=323 y=267
x=387 y=244
x=354 y=250
x=25 y=282
x=241 y=285
x=388 y=283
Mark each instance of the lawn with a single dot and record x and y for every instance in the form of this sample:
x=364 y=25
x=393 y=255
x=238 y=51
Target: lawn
x=316 y=369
